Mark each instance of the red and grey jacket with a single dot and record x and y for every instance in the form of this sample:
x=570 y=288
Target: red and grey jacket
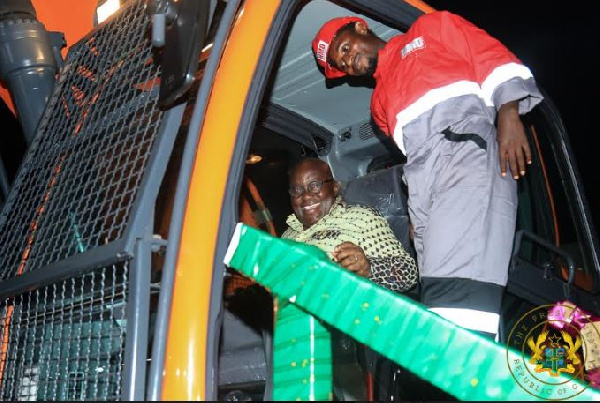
x=441 y=58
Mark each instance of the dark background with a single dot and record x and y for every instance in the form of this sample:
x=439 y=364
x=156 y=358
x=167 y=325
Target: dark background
x=559 y=43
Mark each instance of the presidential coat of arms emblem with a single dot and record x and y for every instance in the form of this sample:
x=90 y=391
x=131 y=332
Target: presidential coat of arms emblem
x=554 y=354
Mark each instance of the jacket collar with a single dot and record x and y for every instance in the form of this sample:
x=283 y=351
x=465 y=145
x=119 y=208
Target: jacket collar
x=386 y=56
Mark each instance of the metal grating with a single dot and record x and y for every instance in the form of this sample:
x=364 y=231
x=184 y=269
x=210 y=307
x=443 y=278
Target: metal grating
x=65 y=341
x=81 y=176
x=365 y=131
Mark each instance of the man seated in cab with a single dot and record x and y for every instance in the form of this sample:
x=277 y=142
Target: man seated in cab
x=360 y=240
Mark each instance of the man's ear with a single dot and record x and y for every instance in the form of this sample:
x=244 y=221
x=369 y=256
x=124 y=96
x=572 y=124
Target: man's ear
x=361 y=28
x=336 y=188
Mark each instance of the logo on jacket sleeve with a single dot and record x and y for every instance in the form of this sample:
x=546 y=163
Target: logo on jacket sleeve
x=415 y=44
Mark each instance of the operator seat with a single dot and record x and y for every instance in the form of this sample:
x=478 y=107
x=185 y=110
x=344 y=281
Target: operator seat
x=383 y=190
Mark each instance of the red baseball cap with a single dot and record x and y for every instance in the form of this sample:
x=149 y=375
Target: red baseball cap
x=320 y=44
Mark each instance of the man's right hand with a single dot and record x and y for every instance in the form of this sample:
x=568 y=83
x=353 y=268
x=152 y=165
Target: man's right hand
x=352 y=257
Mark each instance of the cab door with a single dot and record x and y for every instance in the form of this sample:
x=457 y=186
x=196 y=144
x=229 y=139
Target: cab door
x=555 y=257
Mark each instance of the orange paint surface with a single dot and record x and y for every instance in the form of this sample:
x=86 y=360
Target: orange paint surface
x=421 y=5
x=73 y=18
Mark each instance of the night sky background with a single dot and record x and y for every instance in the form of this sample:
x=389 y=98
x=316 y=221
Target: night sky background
x=559 y=43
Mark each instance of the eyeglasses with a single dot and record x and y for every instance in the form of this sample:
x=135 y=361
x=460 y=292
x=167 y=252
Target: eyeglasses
x=313 y=187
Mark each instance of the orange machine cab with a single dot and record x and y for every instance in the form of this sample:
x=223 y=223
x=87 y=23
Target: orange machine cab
x=117 y=223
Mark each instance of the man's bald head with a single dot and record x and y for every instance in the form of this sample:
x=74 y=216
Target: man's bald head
x=311 y=163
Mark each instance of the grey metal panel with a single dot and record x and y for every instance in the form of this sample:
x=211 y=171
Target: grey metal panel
x=138 y=311
x=353 y=150
x=296 y=127
x=153 y=175
x=242 y=356
x=80 y=178
x=4 y=184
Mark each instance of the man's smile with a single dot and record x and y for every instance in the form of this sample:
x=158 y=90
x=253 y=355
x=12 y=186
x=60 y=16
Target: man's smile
x=355 y=62
x=311 y=206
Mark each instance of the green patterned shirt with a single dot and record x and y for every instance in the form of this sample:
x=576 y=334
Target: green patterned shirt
x=391 y=265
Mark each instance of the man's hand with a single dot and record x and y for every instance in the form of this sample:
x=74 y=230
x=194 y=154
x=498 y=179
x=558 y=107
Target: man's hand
x=513 y=146
x=353 y=258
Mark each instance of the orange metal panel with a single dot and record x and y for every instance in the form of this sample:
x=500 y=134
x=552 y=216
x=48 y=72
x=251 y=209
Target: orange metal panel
x=421 y=5
x=75 y=19
x=185 y=361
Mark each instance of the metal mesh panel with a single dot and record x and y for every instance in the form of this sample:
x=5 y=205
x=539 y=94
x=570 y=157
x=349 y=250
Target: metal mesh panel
x=65 y=341
x=79 y=180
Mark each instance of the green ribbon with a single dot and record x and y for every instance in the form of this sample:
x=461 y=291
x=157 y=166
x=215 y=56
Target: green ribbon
x=301 y=356
x=454 y=359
